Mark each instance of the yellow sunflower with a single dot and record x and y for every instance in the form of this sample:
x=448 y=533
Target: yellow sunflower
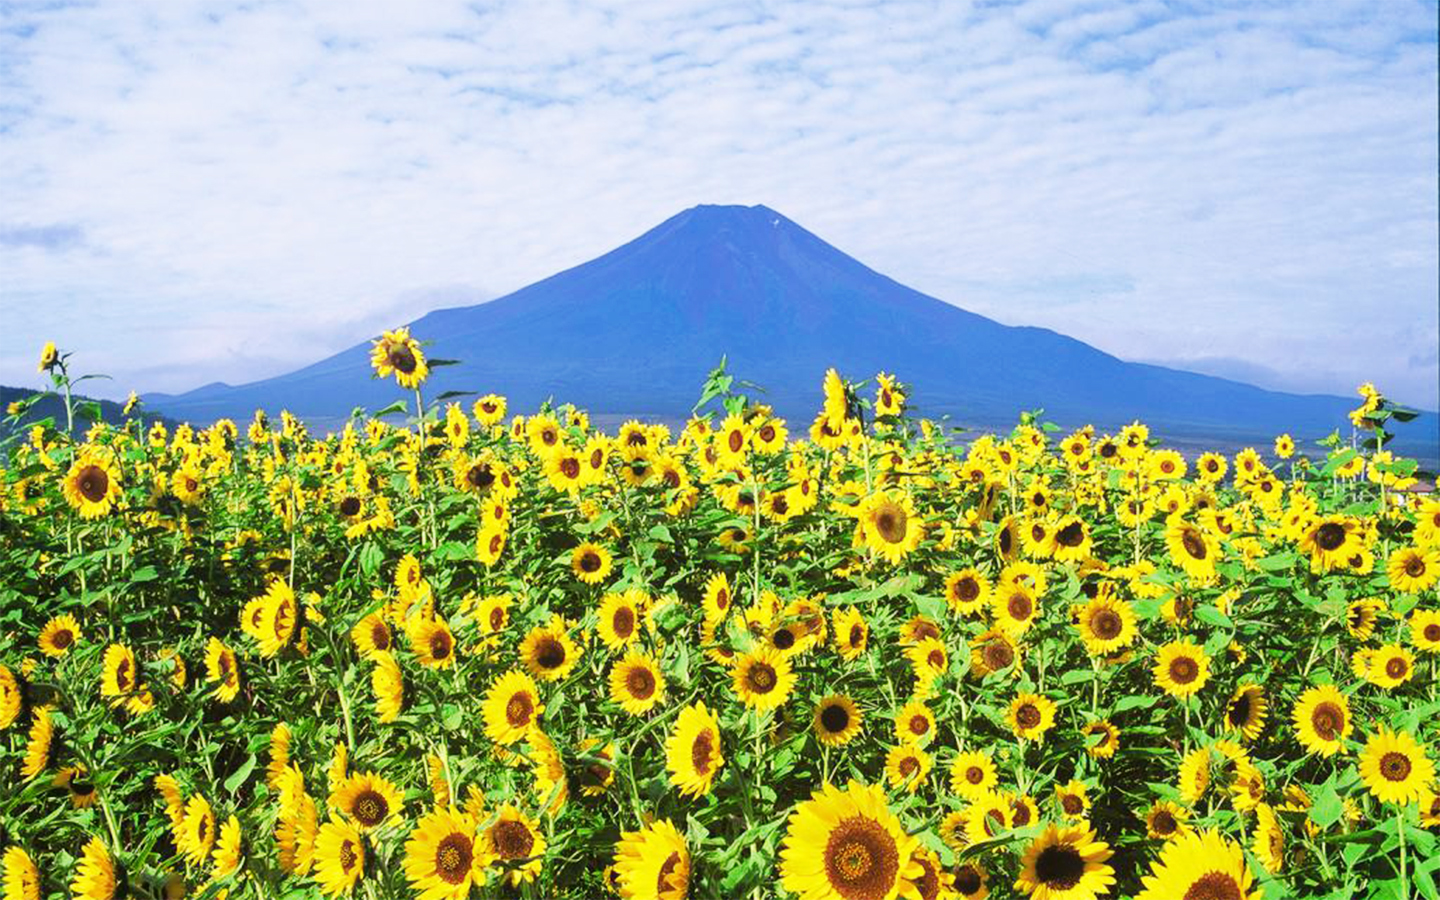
x=1071 y=540
x=619 y=617
x=1073 y=799
x=1181 y=668
x=59 y=635
x=1191 y=548
x=397 y=353
x=226 y=858
x=1331 y=540
x=889 y=526
x=221 y=667
x=432 y=642
x=1322 y=720
x=972 y=881
x=37 y=749
x=1102 y=739
x=339 y=857
x=92 y=486
x=12 y=698
x=1106 y=624
x=548 y=652
x=1066 y=863
x=95 y=874
x=1030 y=716
x=197 y=830
x=512 y=706
x=1413 y=569
x=967 y=591
x=992 y=651
x=442 y=858
x=914 y=724
x=21 y=879
x=590 y=563
x=973 y=774
x=1391 y=666
x=852 y=634
x=763 y=679
x=368 y=800
x=388 y=684
x=120 y=677
x=692 y=754
x=1015 y=606
x=1395 y=767
x=847 y=843
x=371 y=635
x=1425 y=630
x=652 y=863
x=1246 y=710
x=516 y=844
x=1200 y=864
x=637 y=684
x=717 y=597
x=1166 y=821
x=837 y=720
x=907 y=766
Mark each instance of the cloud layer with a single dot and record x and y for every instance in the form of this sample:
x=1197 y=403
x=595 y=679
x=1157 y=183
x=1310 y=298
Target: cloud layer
x=215 y=191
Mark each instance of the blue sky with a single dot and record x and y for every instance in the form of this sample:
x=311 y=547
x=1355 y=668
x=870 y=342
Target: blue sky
x=214 y=191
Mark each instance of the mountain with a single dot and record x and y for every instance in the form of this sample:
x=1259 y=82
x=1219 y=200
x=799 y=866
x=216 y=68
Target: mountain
x=53 y=408
x=634 y=332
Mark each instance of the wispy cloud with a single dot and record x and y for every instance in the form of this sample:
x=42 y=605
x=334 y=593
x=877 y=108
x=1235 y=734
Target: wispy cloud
x=248 y=187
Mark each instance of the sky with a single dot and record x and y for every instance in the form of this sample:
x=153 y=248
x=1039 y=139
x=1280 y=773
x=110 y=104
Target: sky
x=202 y=191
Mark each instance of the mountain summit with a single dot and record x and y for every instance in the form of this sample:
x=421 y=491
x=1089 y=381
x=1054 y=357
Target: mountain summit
x=633 y=332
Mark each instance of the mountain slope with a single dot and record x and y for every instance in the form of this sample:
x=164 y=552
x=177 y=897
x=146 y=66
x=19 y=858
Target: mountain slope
x=635 y=330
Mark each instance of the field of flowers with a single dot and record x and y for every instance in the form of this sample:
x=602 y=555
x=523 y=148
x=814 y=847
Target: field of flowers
x=457 y=652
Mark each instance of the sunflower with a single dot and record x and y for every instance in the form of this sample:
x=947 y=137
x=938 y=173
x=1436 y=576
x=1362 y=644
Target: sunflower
x=372 y=635
x=590 y=563
x=930 y=660
x=1331 y=540
x=1425 y=630
x=972 y=882
x=847 y=843
x=692 y=754
x=1395 y=767
x=368 y=800
x=37 y=749
x=1071 y=540
x=339 y=857
x=637 y=684
x=1030 y=716
x=442 y=859
x=489 y=544
x=21 y=878
x=852 y=634
x=1246 y=710
x=717 y=597
x=1269 y=841
x=432 y=642
x=1073 y=799
x=967 y=591
x=1007 y=538
x=914 y=724
x=12 y=697
x=1361 y=617
x=548 y=652
x=1181 y=668
x=1200 y=864
x=889 y=526
x=512 y=706
x=120 y=676
x=1015 y=608
x=906 y=765
x=493 y=613
x=763 y=679
x=1391 y=666
x=81 y=789
x=652 y=863
x=514 y=842
x=1413 y=569
x=389 y=686
x=197 y=835
x=95 y=875
x=1322 y=720
x=1065 y=863
x=973 y=774
x=397 y=353
x=1194 y=774
x=989 y=816
x=1191 y=548
x=1102 y=739
x=226 y=858
x=59 y=635
x=993 y=651
x=1166 y=821
x=220 y=666
x=619 y=614
x=92 y=486
x=837 y=720
x=1106 y=624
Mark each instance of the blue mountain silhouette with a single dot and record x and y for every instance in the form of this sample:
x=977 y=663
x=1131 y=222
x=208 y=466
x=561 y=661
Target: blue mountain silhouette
x=634 y=332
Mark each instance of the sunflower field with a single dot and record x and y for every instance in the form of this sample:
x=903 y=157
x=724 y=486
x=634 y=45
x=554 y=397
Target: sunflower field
x=451 y=652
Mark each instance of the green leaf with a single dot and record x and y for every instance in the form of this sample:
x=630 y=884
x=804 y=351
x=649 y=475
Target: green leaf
x=143 y=574
x=1213 y=616
x=397 y=407
x=440 y=363
x=1328 y=808
x=233 y=783
x=1336 y=461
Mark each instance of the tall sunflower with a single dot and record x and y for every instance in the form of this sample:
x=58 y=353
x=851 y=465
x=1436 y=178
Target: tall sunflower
x=889 y=526
x=514 y=841
x=1191 y=548
x=92 y=486
x=548 y=652
x=637 y=684
x=368 y=800
x=12 y=697
x=221 y=667
x=652 y=863
x=21 y=879
x=1030 y=716
x=967 y=591
x=907 y=766
x=914 y=723
x=1322 y=720
x=837 y=720
x=763 y=679
x=847 y=844
x=59 y=635
x=619 y=617
x=1395 y=768
x=692 y=754
x=1331 y=540
x=1066 y=863
x=95 y=877
x=388 y=684
x=1181 y=668
x=973 y=774
x=37 y=749
x=852 y=634
x=512 y=706
x=590 y=562
x=1246 y=710
x=397 y=353
x=433 y=642
x=1200 y=864
x=1413 y=569
x=442 y=859
x=1106 y=624
x=339 y=857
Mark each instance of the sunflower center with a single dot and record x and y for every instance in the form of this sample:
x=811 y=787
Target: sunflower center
x=1240 y=710
x=1019 y=814
x=570 y=467
x=919 y=725
x=1106 y=624
x=1019 y=606
x=890 y=522
x=349 y=855
x=908 y=766
x=662 y=879
x=513 y=839
x=440 y=645
x=1028 y=715
x=998 y=654
x=479 y=476
x=700 y=751
x=62 y=639
x=1072 y=804
x=967 y=589
x=380 y=636
x=1432 y=631
x=640 y=682
x=402 y=359
x=1059 y=867
x=92 y=483
x=122 y=675
x=857 y=635
x=1414 y=566
x=350 y=506
x=861 y=859
x=735 y=441
x=453 y=857
x=1329 y=536
x=968 y=880
x=623 y=622
x=370 y=808
x=550 y=653
x=1395 y=667
x=1163 y=823
x=835 y=718
x=497 y=619
x=1327 y=719
x=936 y=659
x=1184 y=670
x=761 y=678
x=1194 y=544
x=783 y=639
x=975 y=775
x=519 y=710
x=1072 y=535
x=1395 y=766
x=1214 y=886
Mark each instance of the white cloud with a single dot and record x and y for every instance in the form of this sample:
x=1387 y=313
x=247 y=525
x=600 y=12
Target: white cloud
x=206 y=191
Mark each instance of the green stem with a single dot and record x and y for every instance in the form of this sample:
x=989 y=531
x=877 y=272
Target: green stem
x=1404 y=868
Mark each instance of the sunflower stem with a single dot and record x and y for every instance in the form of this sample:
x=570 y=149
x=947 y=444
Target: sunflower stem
x=1404 y=868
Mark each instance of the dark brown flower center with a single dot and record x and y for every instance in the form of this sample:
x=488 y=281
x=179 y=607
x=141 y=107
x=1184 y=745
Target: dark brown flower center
x=453 y=857
x=1019 y=814
x=1240 y=710
x=519 y=709
x=1395 y=667
x=908 y=765
x=1019 y=606
x=623 y=622
x=919 y=725
x=1106 y=624
x=1194 y=544
x=122 y=675
x=1163 y=823
x=479 y=476
x=402 y=359
x=62 y=638
x=1059 y=867
x=667 y=869
x=1328 y=720
x=350 y=507
x=1414 y=566
x=735 y=440
x=589 y=561
x=1028 y=715
x=1395 y=766
x=92 y=482
x=440 y=645
x=549 y=653
x=370 y=808
x=380 y=635
x=1072 y=535
x=1072 y=805
x=835 y=718
x=349 y=855
x=1329 y=536
x=968 y=880
x=1184 y=670
x=1214 y=886
x=967 y=589
x=997 y=654
x=783 y=638
x=975 y=775
x=761 y=678
x=570 y=467
x=857 y=635
x=512 y=839
x=1431 y=631
x=701 y=750
x=640 y=682
x=890 y=522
